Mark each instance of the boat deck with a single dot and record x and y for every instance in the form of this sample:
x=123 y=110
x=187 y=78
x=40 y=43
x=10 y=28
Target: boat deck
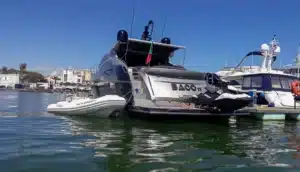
x=272 y=113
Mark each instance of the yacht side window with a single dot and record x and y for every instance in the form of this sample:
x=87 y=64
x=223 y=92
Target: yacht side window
x=256 y=81
x=247 y=81
x=285 y=82
x=275 y=82
x=237 y=82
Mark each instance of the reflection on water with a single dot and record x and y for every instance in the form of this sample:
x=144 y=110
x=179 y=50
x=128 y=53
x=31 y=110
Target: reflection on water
x=35 y=141
x=141 y=145
x=14 y=103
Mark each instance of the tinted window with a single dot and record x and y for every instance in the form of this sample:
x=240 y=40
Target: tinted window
x=240 y=81
x=247 y=81
x=256 y=81
x=234 y=82
x=285 y=83
x=275 y=82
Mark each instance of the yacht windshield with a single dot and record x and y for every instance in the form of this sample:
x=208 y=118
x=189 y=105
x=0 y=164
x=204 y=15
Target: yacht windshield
x=268 y=82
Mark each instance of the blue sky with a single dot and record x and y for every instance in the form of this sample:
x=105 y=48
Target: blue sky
x=49 y=34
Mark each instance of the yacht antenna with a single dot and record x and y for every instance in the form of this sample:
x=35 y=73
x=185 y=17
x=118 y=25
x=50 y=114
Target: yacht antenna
x=270 y=53
x=298 y=56
x=252 y=61
x=164 y=27
x=274 y=44
x=146 y=34
x=133 y=16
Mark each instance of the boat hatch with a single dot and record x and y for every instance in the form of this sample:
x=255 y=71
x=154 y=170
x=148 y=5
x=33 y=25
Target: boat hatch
x=137 y=50
x=267 y=82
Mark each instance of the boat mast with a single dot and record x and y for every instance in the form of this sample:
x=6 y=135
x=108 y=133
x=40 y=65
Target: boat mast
x=268 y=55
x=164 y=27
x=132 y=17
x=297 y=62
x=298 y=56
x=269 y=52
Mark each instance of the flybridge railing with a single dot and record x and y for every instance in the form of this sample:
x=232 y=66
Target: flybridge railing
x=240 y=69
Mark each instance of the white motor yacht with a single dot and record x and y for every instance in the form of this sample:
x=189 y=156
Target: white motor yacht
x=271 y=87
x=143 y=74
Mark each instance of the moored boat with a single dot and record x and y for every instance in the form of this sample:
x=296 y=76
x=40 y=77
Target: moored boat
x=270 y=87
x=141 y=72
x=101 y=106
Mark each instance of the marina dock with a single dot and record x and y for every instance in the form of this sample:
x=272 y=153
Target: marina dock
x=272 y=113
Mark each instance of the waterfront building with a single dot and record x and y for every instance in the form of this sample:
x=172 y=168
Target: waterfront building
x=9 y=80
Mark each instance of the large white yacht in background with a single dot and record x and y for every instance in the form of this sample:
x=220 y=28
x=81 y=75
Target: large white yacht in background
x=272 y=86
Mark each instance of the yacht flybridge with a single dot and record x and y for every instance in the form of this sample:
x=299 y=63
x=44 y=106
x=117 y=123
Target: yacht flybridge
x=140 y=71
x=272 y=86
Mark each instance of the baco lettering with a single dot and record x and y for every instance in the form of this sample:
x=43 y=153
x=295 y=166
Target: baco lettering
x=184 y=87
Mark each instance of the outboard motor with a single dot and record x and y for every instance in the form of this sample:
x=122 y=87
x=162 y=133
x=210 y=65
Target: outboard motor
x=146 y=36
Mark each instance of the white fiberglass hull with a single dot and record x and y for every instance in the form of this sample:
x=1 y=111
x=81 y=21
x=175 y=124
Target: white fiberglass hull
x=104 y=106
x=281 y=99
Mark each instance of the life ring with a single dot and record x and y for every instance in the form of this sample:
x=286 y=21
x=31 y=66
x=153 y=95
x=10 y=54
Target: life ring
x=295 y=87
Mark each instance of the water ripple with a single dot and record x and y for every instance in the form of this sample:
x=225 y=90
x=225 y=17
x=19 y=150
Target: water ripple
x=33 y=140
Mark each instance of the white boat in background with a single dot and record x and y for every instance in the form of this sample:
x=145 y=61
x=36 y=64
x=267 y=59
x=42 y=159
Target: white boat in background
x=293 y=69
x=272 y=87
x=102 y=106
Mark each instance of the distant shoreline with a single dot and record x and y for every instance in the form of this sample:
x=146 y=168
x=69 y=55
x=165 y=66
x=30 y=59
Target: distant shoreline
x=36 y=90
x=27 y=90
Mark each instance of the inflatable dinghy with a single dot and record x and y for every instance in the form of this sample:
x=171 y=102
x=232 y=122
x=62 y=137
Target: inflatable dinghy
x=105 y=106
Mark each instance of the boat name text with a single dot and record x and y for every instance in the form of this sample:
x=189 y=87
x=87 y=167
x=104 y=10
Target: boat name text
x=185 y=87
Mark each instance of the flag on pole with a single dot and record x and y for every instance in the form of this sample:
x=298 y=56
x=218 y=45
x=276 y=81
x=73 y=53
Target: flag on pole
x=149 y=56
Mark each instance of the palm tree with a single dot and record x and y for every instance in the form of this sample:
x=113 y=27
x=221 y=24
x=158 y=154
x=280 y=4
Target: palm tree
x=23 y=67
x=55 y=78
x=4 y=69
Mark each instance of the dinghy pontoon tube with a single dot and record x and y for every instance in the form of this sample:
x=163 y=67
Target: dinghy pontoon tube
x=103 y=106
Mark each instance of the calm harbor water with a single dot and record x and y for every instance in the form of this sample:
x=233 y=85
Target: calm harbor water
x=32 y=140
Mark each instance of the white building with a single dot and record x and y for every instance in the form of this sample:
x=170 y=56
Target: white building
x=72 y=76
x=9 y=80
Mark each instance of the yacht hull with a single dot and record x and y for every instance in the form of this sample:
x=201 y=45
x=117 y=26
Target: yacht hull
x=170 y=92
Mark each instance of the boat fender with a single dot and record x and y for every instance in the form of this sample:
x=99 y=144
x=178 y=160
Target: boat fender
x=271 y=105
x=295 y=89
x=261 y=95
